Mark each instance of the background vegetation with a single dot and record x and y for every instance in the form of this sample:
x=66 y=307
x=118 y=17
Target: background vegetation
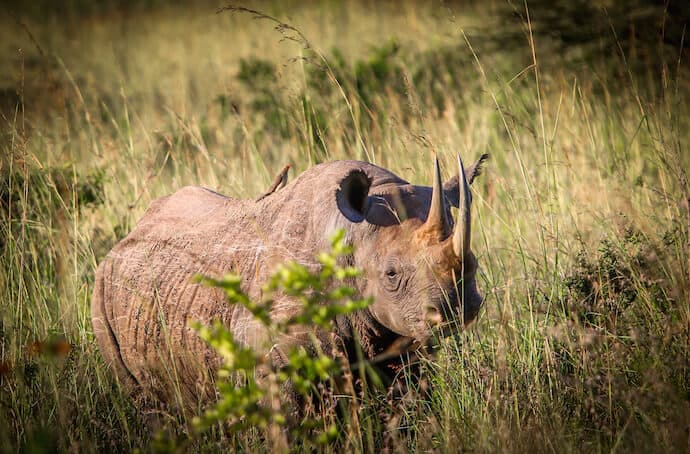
x=581 y=221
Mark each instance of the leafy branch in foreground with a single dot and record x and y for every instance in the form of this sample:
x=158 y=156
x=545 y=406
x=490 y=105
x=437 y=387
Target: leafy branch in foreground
x=245 y=381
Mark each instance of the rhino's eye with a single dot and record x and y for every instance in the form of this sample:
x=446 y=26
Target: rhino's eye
x=392 y=274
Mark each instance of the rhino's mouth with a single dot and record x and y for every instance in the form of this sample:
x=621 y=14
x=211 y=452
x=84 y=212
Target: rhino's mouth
x=433 y=340
x=399 y=347
x=442 y=331
x=428 y=341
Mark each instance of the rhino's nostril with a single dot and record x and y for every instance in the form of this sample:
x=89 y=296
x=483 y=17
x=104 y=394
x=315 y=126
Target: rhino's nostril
x=433 y=316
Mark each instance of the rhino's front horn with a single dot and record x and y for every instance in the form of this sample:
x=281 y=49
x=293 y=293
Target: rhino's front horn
x=437 y=221
x=461 y=233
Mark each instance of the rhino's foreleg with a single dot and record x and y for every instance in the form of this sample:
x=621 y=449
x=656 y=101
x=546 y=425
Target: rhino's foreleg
x=315 y=342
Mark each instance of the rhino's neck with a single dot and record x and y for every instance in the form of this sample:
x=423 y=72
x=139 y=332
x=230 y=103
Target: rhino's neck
x=302 y=218
x=360 y=331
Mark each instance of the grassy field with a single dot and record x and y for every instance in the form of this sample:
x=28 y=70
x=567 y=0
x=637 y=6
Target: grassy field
x=582 y=217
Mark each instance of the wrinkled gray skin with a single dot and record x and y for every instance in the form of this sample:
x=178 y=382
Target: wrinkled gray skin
x=145 y=299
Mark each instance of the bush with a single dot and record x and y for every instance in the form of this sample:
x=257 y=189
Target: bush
x=255 y=395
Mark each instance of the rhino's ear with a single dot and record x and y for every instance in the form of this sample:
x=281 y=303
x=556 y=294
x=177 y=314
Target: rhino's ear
x=352 y=197
x=450 y=187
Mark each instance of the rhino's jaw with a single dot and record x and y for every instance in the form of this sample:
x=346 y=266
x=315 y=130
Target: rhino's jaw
x=398 y=323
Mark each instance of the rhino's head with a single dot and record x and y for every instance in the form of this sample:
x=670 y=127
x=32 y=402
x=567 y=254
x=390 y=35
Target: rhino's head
x=417 y=263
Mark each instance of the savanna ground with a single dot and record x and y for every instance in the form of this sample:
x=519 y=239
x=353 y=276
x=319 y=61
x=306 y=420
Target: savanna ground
x=581 y=218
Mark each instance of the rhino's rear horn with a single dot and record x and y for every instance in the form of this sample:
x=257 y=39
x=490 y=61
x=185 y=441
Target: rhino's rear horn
x=353 y=195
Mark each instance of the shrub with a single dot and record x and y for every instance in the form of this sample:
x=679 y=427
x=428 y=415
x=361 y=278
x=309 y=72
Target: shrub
x=252 y=393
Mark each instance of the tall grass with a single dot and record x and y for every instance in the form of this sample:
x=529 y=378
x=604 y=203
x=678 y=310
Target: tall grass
x=581 y=219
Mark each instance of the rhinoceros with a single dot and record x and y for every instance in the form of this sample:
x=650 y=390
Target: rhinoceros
x=416 y=264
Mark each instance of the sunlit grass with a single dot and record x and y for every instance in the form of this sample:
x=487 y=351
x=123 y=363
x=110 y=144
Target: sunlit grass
x=581 y=219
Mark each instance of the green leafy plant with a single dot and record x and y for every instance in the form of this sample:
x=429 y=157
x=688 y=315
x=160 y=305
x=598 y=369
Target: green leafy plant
x=244 y=387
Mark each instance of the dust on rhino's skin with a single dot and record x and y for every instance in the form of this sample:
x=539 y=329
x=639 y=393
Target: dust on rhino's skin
x=416 y=265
